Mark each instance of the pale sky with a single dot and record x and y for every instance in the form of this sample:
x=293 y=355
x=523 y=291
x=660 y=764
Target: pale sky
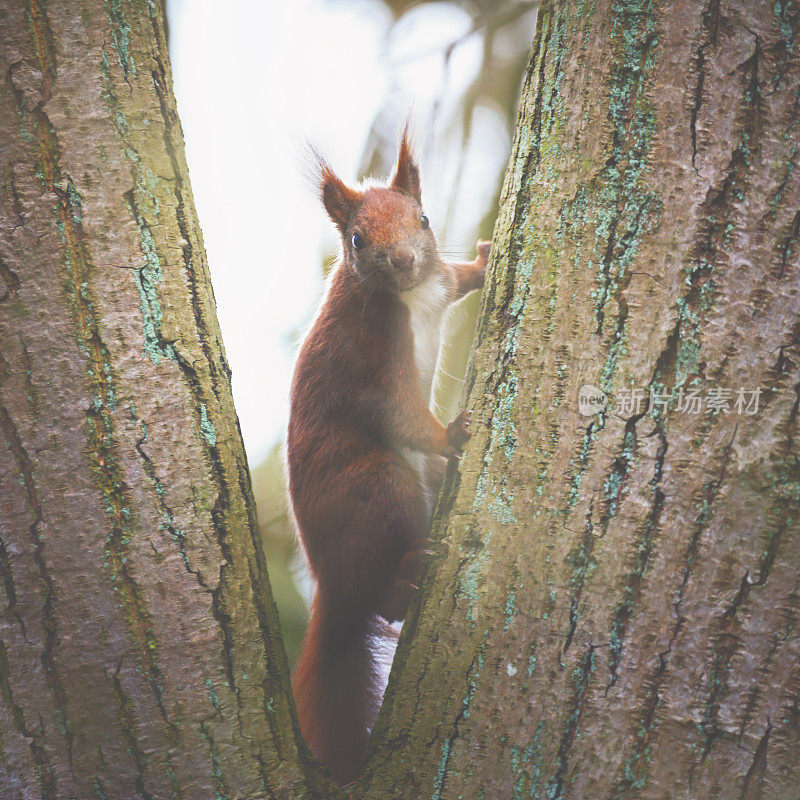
x=256 y=80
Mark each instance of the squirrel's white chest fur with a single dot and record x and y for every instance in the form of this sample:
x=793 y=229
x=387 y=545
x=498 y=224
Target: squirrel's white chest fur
x=426 y=305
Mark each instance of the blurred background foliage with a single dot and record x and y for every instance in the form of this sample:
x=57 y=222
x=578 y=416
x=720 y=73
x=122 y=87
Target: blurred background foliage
x=458 y=66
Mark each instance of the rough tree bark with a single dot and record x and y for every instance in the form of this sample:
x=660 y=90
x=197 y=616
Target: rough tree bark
x=139 y=647
x=612 y=611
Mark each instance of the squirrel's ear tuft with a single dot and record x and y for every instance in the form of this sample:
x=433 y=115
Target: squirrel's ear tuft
x=406 y=177
x=340 y=201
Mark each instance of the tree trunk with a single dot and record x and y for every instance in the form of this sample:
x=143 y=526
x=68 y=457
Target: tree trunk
x=139 y=646
x=612 y=609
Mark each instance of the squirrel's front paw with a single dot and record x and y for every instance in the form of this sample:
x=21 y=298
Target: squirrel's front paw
x=458 y=433
x=484 y=249
x=482 y=260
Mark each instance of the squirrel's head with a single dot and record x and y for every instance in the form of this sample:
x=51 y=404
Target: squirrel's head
x=386 y=237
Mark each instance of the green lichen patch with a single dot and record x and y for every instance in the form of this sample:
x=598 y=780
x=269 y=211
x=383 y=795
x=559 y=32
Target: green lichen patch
x=121 y=36
x=147 y=278
x=526 y=767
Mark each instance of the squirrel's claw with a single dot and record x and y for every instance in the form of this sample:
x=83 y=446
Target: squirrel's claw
x=484 y=248
x=458 y=433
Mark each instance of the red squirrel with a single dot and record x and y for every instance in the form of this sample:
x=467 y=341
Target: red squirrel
x=365 y=455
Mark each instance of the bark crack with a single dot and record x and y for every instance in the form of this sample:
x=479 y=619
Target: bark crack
x=751 y=788
x=169 y=118
x=128 y=724
x=582 y=562
x=711 y=24
x=35 y=740
x=532 y=160
x=725 y=645
x=447 y=746
x=787 y=245
x=581 y=678
x=6 y=570
x=643 y=549
x=49 y=600
x=11 y=280
x=178 y=536
x=789 y=610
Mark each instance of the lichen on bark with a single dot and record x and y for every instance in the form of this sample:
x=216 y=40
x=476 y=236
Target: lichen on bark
x=592 y=608
x=140 y=655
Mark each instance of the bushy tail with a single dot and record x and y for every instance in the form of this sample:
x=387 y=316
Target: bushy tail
x=337 y=688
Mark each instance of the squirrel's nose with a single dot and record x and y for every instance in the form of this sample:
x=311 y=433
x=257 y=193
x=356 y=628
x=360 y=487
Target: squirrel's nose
x=402 y=260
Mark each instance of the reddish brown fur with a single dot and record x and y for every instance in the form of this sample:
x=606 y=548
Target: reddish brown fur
x=356 y=400
x=382 y=214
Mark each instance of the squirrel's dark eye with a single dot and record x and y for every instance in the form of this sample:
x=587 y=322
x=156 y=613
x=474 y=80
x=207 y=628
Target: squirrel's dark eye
x=425 y=222
x=358 y=241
